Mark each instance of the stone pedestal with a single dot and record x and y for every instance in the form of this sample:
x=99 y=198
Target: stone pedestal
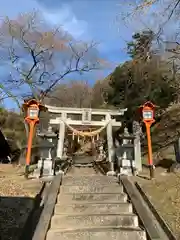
x=111 y=173
x=125 y=170
x=45 y=168
x=127 y=165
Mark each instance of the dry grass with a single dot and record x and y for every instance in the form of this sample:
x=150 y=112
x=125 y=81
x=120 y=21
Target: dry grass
x=164 y=192
x=16 y=200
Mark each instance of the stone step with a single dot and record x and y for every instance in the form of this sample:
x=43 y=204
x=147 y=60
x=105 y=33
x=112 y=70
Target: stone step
x=92 y=208
x=94 y=220
x=76 y=172
x=85 y=180
x=92 y=197
x=83 y=165
x=83 y=159
x=97 y=234
x=91 y=188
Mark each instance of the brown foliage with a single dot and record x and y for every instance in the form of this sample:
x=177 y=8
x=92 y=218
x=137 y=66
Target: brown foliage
x=73 y=94
x=80 y=94
x=12 y=126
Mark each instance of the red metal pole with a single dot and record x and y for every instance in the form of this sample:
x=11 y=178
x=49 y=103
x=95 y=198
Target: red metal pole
x=29 y=146
x=150 y=157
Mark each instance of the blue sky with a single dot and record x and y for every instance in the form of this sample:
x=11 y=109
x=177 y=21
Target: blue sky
x=87 y=20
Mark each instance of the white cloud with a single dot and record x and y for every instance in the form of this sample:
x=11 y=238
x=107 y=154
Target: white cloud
x=63 y=16
x=67 y=19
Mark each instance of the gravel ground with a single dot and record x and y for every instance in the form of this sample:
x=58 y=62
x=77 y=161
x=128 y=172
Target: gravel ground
x=16 y=200
x=164 y=192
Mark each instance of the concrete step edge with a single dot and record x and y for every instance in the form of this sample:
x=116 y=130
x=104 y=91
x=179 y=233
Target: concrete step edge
x=86 y=214
x=94 y=204
x=97 y=215
x=87 y=202
x=100 y=189
x=85 y=178
x=92 y=193
x=116 y=185
x=64 y=192
x=88 y=181
x=90 y=177
x=98 y=185
x=80 y=203
x=65 y=196
x=97 y=229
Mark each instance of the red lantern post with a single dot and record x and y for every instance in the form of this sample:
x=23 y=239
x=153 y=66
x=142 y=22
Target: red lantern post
x=147 y=111
x=32 y=109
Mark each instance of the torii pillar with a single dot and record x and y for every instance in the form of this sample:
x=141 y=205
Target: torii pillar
x=62 y=128
x=110 y=146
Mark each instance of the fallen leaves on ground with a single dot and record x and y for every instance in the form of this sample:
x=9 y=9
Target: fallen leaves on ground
x=16 y=200
x=164 y=192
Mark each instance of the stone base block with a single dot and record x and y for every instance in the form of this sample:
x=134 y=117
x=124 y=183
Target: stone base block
x=128 y=163
x=127 y=171
x=45 y=168
x=111 y=173
x=60 y=172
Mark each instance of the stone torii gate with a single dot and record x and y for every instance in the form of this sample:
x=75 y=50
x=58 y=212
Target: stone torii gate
x=87 y=114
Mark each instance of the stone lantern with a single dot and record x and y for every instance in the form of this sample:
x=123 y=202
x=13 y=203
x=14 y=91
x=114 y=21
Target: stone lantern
x=125 y=154
x=47 y=148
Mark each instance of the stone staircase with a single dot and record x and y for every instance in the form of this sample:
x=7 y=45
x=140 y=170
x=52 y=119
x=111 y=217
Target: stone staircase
x=93 y=208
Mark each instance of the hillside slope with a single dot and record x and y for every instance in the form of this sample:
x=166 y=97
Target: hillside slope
x=167 y=130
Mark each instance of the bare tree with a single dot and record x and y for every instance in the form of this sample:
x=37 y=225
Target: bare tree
x=72 y=94
x=39 y=57
x=165 y=10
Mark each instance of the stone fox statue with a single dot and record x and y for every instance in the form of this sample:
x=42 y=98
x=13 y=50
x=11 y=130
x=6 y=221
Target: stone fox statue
x=9 y=151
